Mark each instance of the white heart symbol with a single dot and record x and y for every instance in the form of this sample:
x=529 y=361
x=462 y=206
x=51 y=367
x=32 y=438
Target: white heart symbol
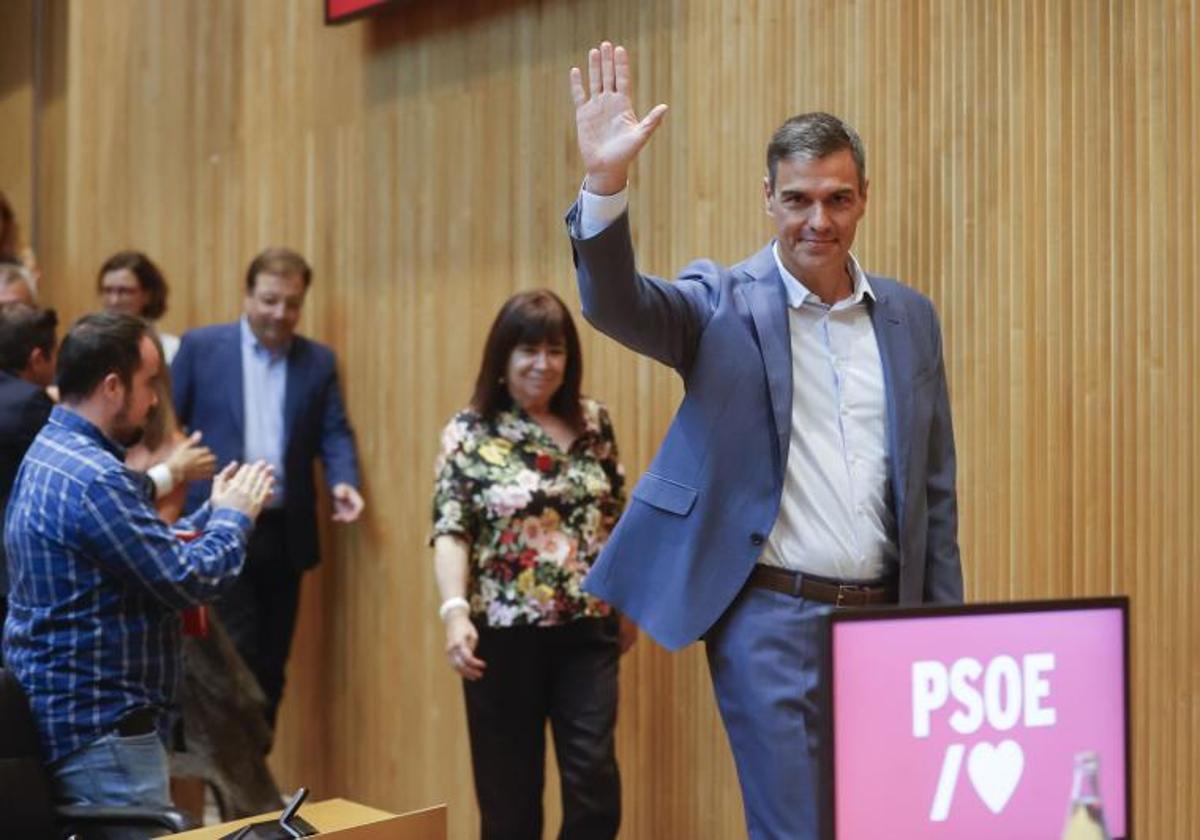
x=995 y=772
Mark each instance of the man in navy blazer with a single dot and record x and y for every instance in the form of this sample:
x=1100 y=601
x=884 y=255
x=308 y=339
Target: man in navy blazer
x=255 y=389
x=27 y=342
x=811 y=463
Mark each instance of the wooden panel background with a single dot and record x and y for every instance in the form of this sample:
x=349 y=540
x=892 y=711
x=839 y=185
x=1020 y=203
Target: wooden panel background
x=17 y=84
x=1034 y=169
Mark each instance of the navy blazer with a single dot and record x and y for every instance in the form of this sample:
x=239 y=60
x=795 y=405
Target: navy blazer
x=699 y=516
x=24 y=409
x=207 y=374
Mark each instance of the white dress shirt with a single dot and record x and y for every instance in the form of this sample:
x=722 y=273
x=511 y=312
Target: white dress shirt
x=264 y=387
x=835 y=518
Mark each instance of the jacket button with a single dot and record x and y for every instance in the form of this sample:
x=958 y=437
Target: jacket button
x=757 y=538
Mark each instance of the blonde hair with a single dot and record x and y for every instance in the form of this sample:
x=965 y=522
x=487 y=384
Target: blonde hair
x=161 y=424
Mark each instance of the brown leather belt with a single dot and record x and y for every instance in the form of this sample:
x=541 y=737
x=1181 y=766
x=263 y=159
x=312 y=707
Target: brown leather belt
x=822 y=590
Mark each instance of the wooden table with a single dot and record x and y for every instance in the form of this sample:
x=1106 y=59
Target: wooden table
x=347 y=820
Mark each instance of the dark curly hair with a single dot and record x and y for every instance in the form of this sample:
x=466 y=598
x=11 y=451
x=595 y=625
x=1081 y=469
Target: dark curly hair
x=148 y=275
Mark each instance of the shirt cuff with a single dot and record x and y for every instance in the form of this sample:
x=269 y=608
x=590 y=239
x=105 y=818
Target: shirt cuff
x=164 y=482
x=230 y=518
x=597 y=212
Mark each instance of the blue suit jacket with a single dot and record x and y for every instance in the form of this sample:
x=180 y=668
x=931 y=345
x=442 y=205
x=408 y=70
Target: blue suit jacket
x=207 y=374
x=699 y=516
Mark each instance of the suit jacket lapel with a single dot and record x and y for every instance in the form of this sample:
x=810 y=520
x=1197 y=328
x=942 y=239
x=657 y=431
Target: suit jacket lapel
x=291 y=390
x=767 y=303
x=237 y=397
x=895 y=353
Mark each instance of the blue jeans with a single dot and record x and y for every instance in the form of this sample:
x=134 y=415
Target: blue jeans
x=116 y=770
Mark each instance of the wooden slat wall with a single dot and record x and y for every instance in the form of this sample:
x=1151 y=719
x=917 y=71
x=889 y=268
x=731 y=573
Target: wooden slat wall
x=1034 y=168
x=17 y=109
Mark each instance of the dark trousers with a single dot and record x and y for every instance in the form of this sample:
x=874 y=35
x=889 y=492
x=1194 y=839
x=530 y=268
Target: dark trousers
x=566 y=674
x=259 y=610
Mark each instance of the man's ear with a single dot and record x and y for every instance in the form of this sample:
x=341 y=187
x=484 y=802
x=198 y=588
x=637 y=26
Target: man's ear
x=112 y=387
x=767 y=194
x=37 y=356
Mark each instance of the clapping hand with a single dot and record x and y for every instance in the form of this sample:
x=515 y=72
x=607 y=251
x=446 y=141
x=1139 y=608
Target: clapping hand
x=610 y=133
x=243 y=488
x=189 y=461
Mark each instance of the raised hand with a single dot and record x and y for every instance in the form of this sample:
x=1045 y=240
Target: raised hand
x=609 y=132
x=245 y=488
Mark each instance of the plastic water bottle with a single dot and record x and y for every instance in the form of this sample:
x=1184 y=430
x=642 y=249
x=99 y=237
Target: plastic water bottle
x=1085 y=820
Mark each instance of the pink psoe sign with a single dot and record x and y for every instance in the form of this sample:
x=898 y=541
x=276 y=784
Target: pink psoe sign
x=967 y=726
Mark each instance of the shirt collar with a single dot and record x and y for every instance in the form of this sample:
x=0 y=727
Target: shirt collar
x=74 y=422
x=250 y=342
x=798 y=294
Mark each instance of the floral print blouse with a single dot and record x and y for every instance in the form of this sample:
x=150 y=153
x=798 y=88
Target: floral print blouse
x=535 y=516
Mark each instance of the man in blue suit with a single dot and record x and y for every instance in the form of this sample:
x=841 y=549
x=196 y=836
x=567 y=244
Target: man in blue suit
x=811 y=463
x=257 y=390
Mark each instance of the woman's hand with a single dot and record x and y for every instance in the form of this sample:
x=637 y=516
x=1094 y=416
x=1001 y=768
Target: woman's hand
x=461 y=639
x=189 y=461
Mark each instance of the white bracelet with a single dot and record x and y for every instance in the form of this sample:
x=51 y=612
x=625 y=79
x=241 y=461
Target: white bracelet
x=163 y=478
x=451 y=604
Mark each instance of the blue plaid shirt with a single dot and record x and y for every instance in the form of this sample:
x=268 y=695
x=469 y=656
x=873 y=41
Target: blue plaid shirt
x=97 y=584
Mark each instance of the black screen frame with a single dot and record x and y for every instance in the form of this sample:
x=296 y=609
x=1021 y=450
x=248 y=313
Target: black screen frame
x=827 y=795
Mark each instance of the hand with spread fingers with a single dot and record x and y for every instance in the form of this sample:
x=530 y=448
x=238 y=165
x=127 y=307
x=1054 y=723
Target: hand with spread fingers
x=244 y=488
x=609 y=131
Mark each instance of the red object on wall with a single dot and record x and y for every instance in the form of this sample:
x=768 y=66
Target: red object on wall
x=340 y=11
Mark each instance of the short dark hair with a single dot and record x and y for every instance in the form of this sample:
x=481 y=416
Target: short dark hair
x=283 y=262
x=814 y=136
x=95 y=346
x=530 y=318
x=8 y=229
x=148 y=275
x=24 y=328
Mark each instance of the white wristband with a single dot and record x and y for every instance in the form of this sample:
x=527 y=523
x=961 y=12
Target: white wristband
x=451 y=604
x=163 y=478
